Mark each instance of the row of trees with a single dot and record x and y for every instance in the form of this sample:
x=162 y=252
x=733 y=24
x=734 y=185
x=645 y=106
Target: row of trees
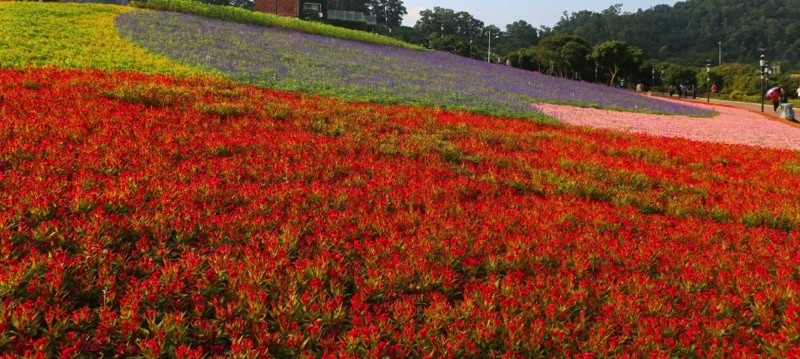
x=692 y=31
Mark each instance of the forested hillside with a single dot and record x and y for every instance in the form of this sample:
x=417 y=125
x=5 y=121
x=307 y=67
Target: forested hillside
x=690 y=31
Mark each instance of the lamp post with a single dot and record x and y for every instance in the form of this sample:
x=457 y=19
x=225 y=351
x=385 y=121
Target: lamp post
x=762 y=63
x=708 y=81
x=489 y=52
x=654 y=78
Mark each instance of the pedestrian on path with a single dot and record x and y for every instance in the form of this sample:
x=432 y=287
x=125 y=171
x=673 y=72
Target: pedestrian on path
x=774 y=94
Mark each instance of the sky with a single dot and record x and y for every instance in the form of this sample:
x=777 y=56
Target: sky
x=535 y=12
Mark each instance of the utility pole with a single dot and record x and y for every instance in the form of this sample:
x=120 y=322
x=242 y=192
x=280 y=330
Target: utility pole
x=720 y=52
x=489 y=52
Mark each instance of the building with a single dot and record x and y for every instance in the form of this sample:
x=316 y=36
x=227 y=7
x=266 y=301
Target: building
x=304 y=9
x=311 y=10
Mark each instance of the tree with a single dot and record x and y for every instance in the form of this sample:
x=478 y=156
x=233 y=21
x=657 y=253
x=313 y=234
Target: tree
x=676 y=74
x=616 y=58
x=518 y=35
x=566 y=55
x=447 y=30
x=738 y=79
x=690 y=32
x=388 y=12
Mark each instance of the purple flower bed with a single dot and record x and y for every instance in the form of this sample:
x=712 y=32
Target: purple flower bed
x=297 y=61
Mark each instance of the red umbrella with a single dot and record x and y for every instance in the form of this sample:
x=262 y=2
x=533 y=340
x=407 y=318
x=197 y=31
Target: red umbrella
x=772 y=90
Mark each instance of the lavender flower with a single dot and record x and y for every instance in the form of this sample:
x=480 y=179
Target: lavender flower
x=297 y=61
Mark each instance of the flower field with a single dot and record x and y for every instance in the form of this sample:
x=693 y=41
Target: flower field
x=147 y=215
x=288 y=60
x=732 y=125
x=74 y=36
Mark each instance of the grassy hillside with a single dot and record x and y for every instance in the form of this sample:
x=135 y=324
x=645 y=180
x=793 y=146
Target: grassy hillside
x=74 y=36
x=277 y=58
x=257 y=18
x=88 y=36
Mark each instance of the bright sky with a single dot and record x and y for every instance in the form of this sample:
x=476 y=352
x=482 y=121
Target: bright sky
x=534 y=12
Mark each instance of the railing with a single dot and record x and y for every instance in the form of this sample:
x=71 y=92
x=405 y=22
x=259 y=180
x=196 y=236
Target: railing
x=351 y=16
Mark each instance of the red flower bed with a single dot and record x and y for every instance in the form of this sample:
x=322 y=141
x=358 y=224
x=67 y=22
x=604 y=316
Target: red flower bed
x=155 y=216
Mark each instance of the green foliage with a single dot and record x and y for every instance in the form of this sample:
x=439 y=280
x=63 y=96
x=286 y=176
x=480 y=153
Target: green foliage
x=763 y=218
x=792 y=167
x=675 y=74
x=223 y=110
x=263 y=19
x=86 y=38
x=518 y=35
x=152 y=95
x=690 y=31
x=562 y=55
x=451 y=31
x=737 y=77
x=246 y=4
x=617 y=58
x=388 y=12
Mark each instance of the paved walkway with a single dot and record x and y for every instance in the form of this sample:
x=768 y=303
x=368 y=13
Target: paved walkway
x=753 y=107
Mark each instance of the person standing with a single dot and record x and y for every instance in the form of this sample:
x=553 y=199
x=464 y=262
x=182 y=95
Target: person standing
x=775 y=96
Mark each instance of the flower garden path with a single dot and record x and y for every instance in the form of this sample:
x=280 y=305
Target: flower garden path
x=733 y=125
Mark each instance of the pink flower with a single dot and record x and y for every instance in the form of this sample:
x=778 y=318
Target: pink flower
x=732 y=125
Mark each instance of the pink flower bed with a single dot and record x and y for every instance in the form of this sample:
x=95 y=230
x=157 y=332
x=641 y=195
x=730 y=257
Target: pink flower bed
x=732 y=125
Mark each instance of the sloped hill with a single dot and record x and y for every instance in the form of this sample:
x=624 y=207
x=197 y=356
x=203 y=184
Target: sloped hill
x=152 y=215
x=297 y=61
x=176 y=43
x=74 y=36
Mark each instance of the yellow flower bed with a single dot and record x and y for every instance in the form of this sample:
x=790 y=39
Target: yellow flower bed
x=74 y=36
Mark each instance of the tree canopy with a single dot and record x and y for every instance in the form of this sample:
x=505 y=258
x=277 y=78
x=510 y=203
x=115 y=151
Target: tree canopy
x=616 y=57
x=693 y=31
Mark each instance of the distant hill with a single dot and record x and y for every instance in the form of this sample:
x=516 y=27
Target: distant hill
x=689 y=31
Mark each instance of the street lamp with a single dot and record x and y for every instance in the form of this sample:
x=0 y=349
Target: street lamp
x=595 y=73
x=708 y=81
x=654 y=78
x=489 y=52
x=762 y=63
